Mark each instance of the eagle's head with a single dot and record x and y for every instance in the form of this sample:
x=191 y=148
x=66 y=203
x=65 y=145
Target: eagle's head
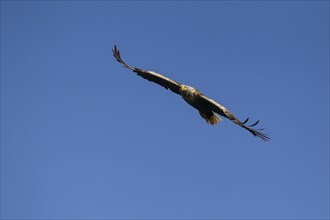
x=188 y=91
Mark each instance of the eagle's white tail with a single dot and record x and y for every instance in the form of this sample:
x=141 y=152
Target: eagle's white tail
x=210 y=119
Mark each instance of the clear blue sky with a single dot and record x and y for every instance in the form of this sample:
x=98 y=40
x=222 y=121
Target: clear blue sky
x=82 y=137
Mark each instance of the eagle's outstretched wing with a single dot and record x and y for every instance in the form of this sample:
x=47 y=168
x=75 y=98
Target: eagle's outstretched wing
x=167 y=83
x=221 y=110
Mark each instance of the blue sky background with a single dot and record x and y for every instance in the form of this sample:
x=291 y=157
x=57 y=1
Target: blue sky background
x=82 y=137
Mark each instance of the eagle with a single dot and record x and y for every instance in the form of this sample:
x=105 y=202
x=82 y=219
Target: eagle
x=207 y=108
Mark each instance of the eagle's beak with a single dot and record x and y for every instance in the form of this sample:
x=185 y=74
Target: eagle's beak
x=182 y=88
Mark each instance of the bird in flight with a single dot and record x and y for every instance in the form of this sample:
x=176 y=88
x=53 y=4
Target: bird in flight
x=207 y=108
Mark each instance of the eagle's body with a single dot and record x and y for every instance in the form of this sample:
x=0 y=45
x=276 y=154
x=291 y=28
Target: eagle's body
x=192 y=97
x=207 y=108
